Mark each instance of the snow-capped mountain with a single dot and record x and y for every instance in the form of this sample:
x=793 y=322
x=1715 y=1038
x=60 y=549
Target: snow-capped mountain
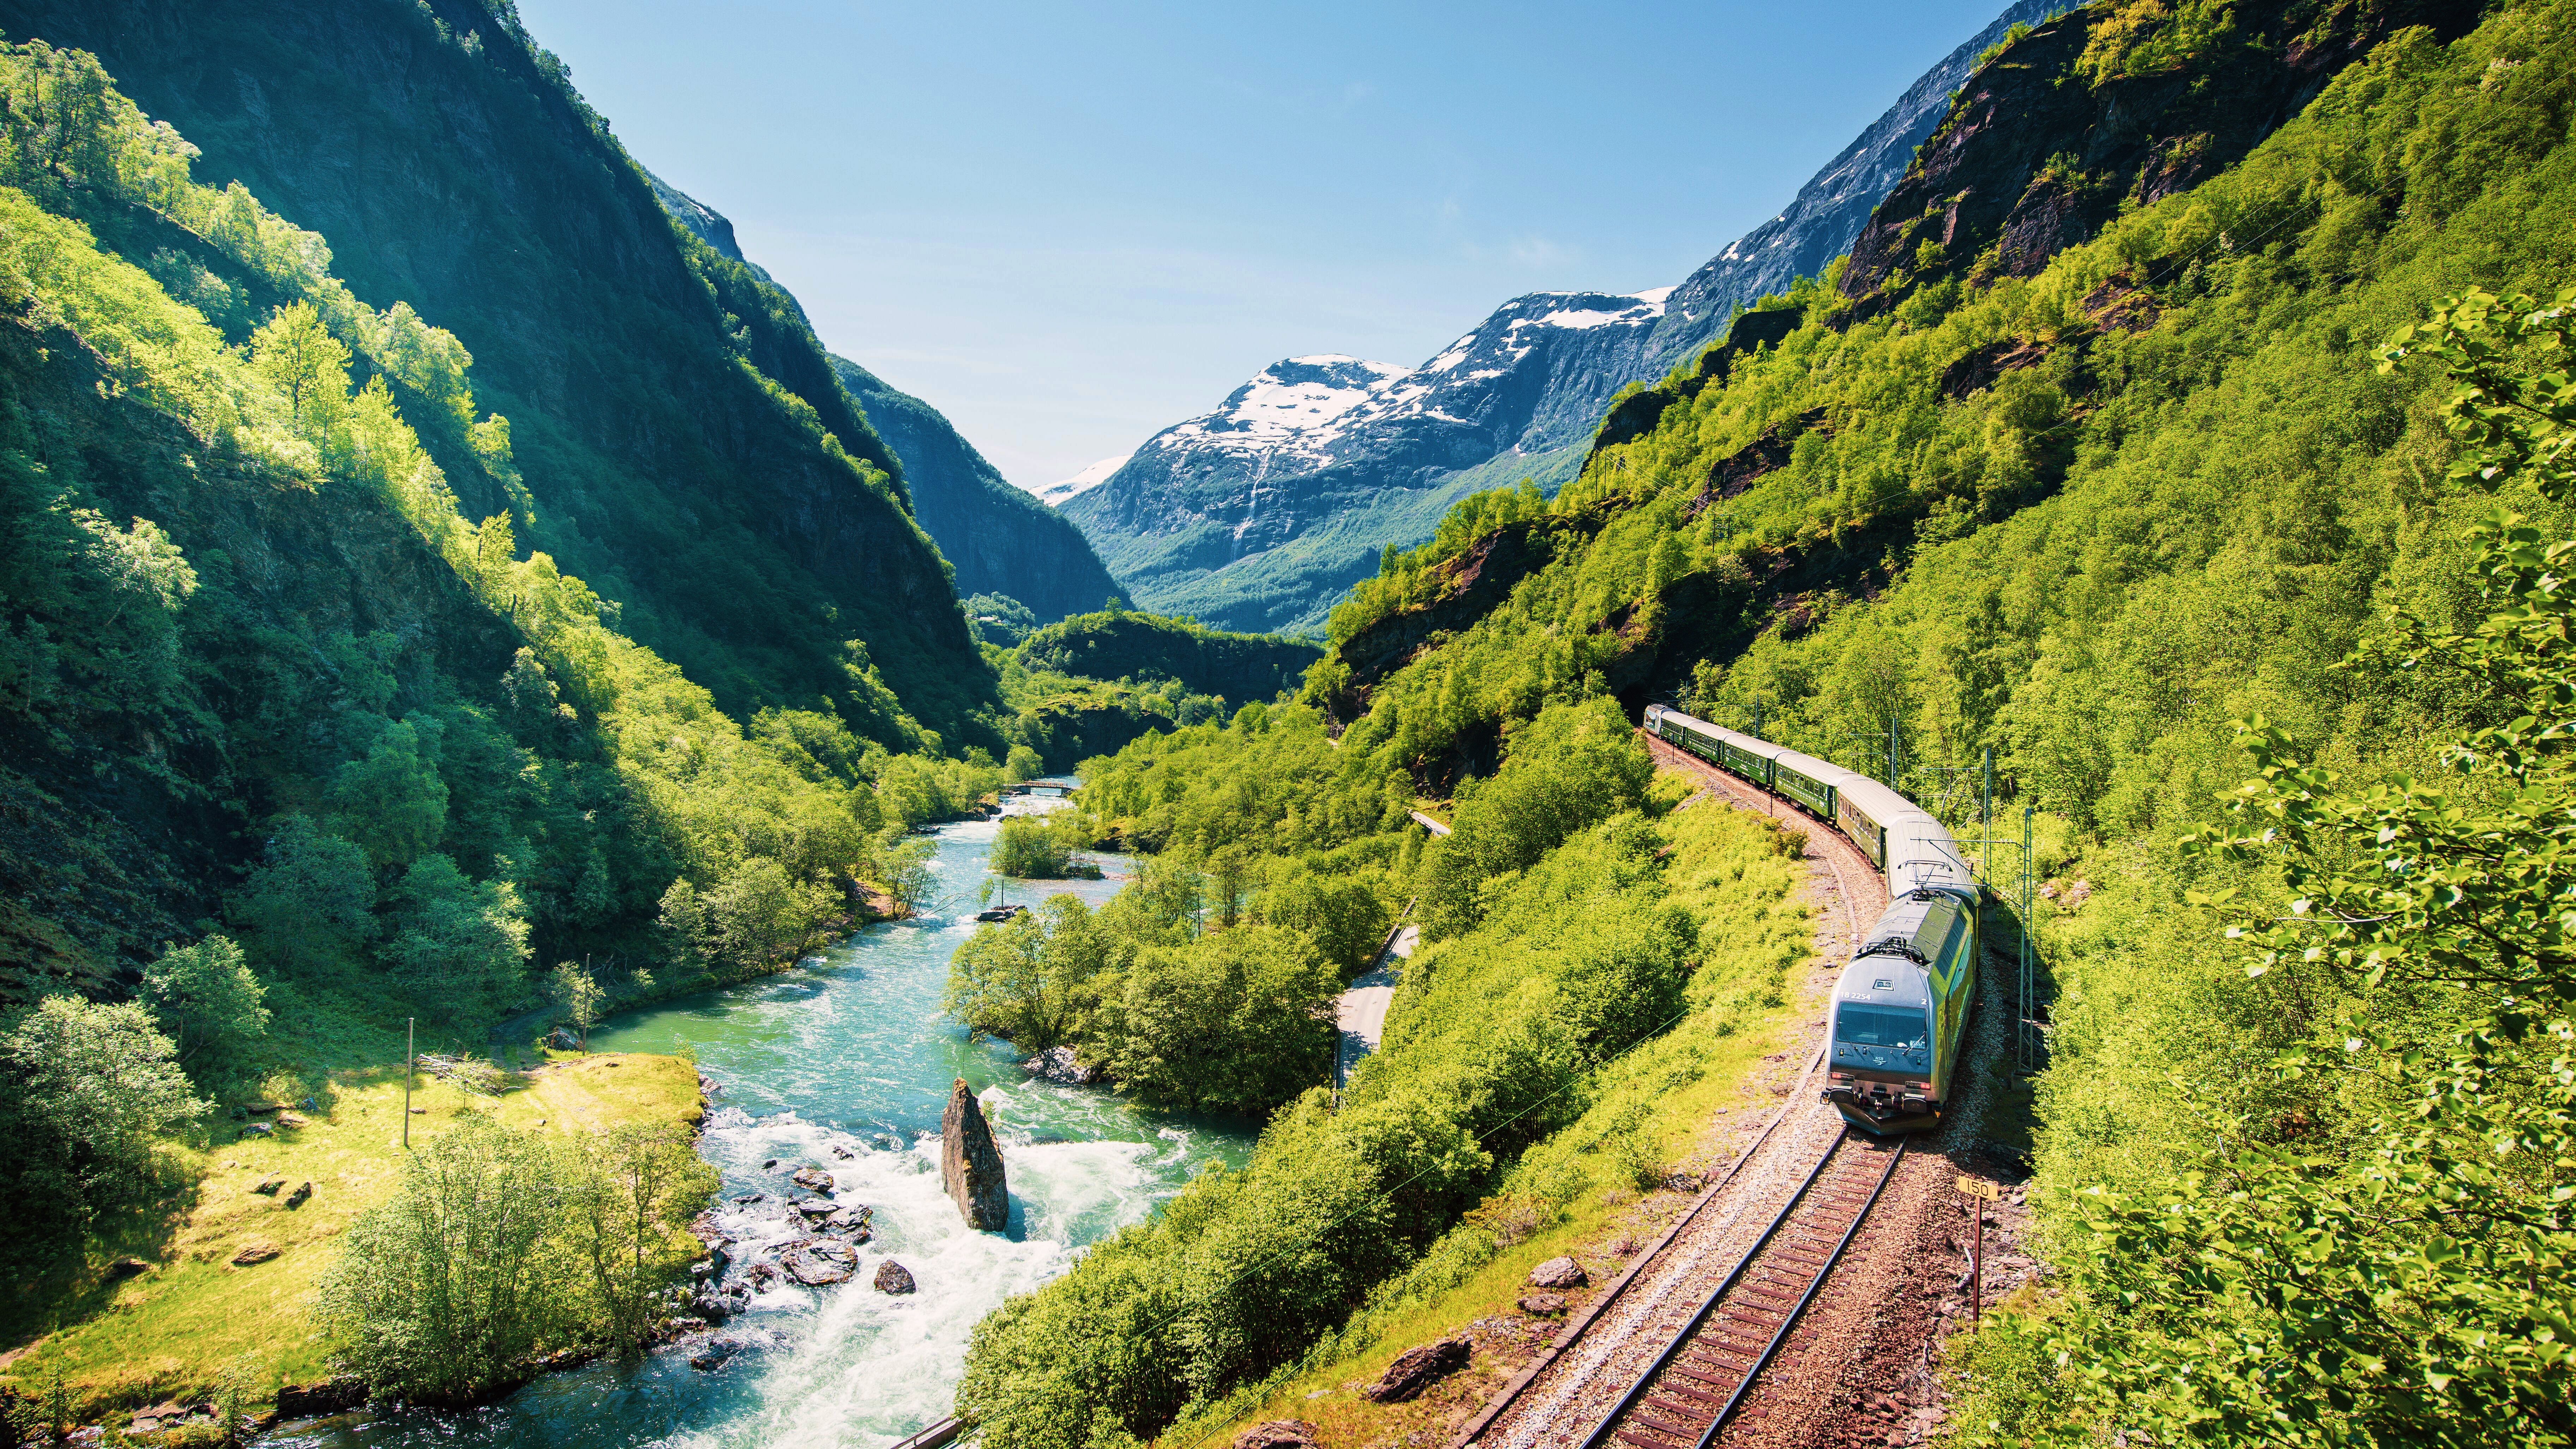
x=1261 y=513
x=1058 y=494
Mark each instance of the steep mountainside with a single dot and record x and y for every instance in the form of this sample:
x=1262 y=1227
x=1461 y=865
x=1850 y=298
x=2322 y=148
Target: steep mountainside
x=1259 y=514
x=997 y=538
x=680 y=438
x=1000 y=539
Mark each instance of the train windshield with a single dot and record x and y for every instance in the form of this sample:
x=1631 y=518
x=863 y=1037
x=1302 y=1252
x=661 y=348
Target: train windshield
x=1880 y=1026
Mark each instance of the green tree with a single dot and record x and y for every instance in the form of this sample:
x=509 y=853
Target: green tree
x=1343 y=915
x=1029 y=979
x=574 y=989
x=902 y=866
x=459 y=946
x=1038 y=847
x=88 y=1089
x=445 y=1293
x=299 y=354
x=310 y=906
x=1238 y=1020
x=2399 y=1279
x=1572 y=767
x=392 y=802
x=208 y=1002
x=762 y=916
x=628 y=1195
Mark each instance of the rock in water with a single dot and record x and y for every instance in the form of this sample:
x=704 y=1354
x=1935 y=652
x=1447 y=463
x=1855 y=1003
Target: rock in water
x=1417 y=1369
x=893 y=1277
x=970 y=1166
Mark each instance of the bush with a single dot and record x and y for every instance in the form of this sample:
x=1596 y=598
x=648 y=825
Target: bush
x=445 y=1293
x=208 y=1002
x=85 y=1091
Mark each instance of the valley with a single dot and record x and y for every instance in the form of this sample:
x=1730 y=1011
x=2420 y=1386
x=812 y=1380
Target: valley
x=579 y=867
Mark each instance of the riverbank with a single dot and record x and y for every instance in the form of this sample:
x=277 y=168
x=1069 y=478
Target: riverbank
x=222 y=1287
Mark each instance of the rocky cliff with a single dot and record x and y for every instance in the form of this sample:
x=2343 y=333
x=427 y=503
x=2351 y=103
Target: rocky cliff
x=1260 y=514
x=2078 y=118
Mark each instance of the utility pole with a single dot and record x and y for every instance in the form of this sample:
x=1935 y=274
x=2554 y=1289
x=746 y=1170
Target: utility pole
x=2023 y=1031
x=411 y=1063
x=1986 y=819
x=1757 y=716
x=1895 y=770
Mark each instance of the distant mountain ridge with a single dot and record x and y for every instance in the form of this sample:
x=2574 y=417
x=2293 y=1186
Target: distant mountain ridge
x=1259 y=514
x=998 y=538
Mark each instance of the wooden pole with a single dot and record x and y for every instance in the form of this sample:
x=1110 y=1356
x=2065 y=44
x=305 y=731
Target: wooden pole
x=1976 y=1257
x=411 y=1064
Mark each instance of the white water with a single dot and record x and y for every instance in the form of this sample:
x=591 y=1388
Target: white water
x=850 y=1055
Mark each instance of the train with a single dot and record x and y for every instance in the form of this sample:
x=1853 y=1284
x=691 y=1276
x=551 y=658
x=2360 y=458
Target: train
x=1900 y=1006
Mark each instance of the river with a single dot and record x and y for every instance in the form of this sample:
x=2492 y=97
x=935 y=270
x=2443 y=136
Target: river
x=847 y=1062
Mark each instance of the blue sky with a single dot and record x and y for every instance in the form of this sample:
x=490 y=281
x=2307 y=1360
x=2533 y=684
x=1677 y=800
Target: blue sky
x=1068 y=227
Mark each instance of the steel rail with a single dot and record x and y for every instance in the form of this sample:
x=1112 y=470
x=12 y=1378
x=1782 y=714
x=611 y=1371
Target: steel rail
x=1689 y=1332
x=1831 y=1260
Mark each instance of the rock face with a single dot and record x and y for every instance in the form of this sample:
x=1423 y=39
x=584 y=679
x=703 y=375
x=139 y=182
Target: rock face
x=1417 y=1369
x=893 y=1277
x=2037 y=153
x=1559 y=1274
x=1257 y=515
x=970 y=1166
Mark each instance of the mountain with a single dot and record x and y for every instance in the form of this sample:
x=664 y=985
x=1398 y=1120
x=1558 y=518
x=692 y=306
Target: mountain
x=680 y=439
x=1259 y=514
x=998 y=538
x=1083 y=482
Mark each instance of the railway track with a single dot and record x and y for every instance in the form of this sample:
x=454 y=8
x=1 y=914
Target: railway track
x=1703 y=1376
x=1671 y=1372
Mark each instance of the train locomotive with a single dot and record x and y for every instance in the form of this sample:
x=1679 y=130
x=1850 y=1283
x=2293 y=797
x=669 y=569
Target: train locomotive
x=1901 y=1004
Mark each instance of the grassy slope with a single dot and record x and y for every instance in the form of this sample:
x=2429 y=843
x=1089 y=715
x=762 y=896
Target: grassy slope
x=1668 y=1101
x=174 y=1330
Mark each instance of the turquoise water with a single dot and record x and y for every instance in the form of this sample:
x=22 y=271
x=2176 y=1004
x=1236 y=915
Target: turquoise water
x=847 y=1063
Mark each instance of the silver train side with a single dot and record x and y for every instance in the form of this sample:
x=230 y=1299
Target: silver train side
x=1900 y=1007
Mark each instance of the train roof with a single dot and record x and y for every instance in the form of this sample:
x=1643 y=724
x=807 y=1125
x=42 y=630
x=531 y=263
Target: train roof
x=1885 y=981
x=1913 y=923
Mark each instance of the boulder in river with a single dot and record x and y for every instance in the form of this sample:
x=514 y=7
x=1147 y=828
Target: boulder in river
x=818 y=1263
x=1560 y=1274
x=1417 y=1369
x=1057 y=1064
x=893 y=1277
x=970 y=1166
x=812 y=1179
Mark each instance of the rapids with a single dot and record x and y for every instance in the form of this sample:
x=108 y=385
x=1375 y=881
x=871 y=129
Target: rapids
x=850 y=1054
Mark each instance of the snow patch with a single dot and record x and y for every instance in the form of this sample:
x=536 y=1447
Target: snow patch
x=1059 y=494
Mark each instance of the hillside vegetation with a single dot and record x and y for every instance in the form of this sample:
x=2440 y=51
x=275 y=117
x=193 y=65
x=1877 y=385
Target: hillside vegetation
x=2144 y=517
x=2134 y=500
x=1588 y=950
